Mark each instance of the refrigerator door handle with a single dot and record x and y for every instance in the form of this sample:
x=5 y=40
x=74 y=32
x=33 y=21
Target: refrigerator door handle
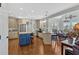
x=0 y=37
x=7 y=37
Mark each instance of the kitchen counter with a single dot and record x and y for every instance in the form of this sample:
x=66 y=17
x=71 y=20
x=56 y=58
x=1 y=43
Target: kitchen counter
x=60 y=36
x=46 y=37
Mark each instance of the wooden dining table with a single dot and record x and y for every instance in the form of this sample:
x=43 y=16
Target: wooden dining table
x=67 y=44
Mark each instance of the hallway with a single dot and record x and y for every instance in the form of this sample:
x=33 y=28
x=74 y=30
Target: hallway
x=36 y=48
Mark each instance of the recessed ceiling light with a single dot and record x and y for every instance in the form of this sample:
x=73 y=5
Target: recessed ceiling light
x=32 y=11
x=21 y=8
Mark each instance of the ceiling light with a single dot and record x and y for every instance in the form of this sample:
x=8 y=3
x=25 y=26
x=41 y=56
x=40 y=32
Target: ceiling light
x=32 y=11
x=21 y=8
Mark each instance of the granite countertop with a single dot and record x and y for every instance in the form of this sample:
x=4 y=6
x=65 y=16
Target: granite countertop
x=66 y=42
x=54 y=36
x=60 y=35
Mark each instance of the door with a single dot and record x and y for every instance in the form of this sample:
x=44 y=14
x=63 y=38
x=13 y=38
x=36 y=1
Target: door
x=3 y=33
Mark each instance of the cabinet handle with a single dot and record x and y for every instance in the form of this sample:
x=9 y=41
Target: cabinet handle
x=7 y=37
x=0 y=37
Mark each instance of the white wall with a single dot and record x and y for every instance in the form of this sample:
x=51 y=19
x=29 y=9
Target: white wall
x=3 y=32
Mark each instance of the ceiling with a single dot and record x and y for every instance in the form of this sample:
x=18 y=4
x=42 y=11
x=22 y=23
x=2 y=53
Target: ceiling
x=36 y=10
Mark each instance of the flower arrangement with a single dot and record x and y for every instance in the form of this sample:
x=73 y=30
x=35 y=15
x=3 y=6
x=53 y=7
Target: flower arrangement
x=73 y=34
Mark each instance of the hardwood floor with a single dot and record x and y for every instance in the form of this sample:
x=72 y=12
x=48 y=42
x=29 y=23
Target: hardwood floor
x=36 y=48
x=56 y=47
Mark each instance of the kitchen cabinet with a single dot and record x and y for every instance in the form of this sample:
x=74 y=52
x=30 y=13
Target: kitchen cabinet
x=13 y=28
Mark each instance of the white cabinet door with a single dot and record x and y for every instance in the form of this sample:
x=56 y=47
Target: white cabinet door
x=3 y=33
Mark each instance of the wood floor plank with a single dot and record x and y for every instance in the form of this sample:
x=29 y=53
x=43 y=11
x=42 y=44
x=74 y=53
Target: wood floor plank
x=36 y=48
